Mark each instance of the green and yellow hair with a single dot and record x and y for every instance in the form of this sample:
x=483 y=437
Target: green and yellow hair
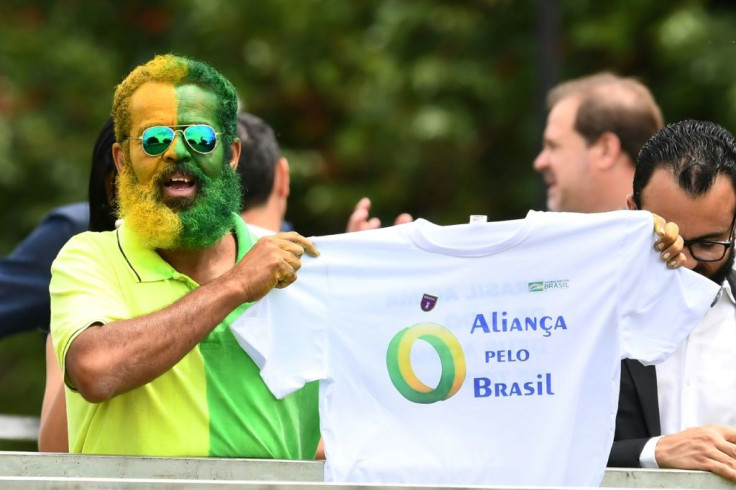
x=177 y=70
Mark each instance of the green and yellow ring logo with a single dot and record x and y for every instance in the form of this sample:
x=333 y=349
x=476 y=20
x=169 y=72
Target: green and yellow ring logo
x=451 y=355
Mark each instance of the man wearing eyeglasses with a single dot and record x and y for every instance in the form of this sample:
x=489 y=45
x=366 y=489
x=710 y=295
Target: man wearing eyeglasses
x=686 y=173
x=140 y=315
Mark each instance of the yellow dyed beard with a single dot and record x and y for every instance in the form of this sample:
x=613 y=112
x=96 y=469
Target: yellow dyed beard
x=155 y=224
x=196 y=225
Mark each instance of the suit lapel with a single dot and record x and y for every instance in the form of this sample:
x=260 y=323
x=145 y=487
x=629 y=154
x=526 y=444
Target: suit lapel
x=645 y=382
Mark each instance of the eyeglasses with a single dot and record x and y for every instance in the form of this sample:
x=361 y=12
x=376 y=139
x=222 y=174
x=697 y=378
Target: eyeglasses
x=710 y=250
x=157 y=139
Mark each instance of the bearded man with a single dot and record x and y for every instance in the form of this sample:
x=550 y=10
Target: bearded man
x=140 y=315
x=682 y=413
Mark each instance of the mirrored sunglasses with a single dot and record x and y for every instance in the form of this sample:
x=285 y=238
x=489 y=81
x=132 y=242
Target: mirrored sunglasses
x=199 y=137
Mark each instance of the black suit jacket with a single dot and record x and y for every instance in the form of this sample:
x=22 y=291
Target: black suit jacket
x=637 y=419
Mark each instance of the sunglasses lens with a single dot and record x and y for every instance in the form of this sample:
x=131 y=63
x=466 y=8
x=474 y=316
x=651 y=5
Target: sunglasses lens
x=201 y=138
x=156 y=140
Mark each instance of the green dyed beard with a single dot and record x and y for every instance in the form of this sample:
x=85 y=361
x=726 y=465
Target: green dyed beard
x=194 y=226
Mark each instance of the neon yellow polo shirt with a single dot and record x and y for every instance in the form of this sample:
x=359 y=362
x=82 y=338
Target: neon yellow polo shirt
x=212 y=403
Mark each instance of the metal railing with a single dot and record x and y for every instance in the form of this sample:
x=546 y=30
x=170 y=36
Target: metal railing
x=25 y=470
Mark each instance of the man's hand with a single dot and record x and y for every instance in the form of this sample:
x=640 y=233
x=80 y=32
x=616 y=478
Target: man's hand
x=360 y=220
x=710 y=448
x=669 y=243
x=272 y=262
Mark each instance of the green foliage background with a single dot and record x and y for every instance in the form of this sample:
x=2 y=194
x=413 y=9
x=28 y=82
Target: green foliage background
x=431 y=107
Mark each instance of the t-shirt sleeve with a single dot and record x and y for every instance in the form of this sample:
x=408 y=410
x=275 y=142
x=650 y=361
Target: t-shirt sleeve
x=658 y=306
x=83 y=292
x=285 y=333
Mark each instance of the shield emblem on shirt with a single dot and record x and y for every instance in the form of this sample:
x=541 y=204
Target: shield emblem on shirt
x=428 y=302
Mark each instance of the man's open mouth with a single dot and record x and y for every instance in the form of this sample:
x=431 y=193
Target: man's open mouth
x=179 y=186
x=179 y=183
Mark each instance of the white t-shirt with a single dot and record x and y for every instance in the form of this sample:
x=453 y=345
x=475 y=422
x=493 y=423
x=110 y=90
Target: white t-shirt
x=259 y=231
x=484 y=353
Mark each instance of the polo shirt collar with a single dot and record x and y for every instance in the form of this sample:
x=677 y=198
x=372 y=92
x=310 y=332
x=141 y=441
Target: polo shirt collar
x=148 y=266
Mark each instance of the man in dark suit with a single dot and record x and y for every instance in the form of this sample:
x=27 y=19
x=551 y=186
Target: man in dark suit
x=686 y=173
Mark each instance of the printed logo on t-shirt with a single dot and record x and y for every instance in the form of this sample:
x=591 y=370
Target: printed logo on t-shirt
x=539 y=286
x=452 y=360
x=428 y=302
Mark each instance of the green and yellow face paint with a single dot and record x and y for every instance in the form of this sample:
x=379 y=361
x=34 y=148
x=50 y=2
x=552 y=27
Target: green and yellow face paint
x=177 y=188
x=177 y=71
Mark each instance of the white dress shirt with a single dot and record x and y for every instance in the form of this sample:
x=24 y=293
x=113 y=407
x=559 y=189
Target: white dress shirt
x=696 y=386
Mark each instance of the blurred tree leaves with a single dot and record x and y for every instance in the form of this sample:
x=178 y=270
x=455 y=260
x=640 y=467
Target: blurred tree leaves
x=427 y=107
